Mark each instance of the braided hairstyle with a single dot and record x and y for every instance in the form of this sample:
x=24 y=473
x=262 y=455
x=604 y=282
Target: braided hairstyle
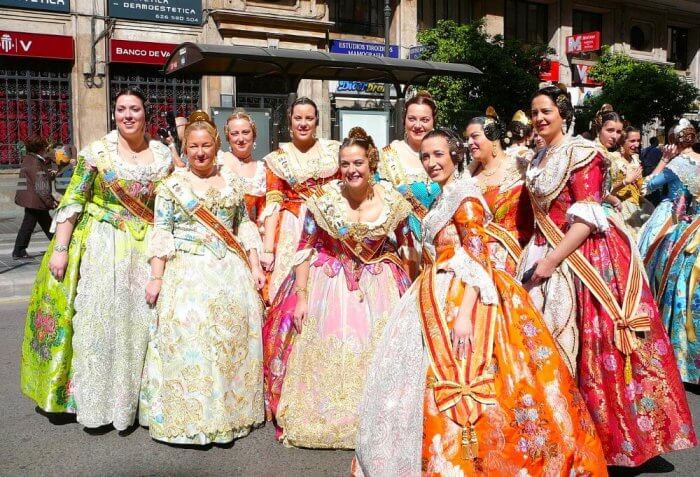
x=494 y=129
x=359 y=137
x=458 y=150
x=561 y=99
x=605 y=113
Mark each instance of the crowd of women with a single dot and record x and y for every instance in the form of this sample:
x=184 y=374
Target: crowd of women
x=526 y=312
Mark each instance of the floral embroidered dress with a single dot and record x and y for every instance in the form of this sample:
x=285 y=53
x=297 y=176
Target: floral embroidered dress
x=203 y=380
x=661 y=221
x=513 y=222
x=510 y=409
x=255 y=190
x=608 y=328
x=290 y=177
x=636 y=210
x=676 y=265
x=85 y=338
x=314 y=380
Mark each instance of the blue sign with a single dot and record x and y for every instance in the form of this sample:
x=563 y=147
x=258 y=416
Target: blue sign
x=359 y=87
x=349 y=47
x=415 y=52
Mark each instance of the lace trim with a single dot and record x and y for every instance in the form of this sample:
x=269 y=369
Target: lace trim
x=447 y=204
x=249 y=236
x=472 y=274
x=161 y=244
x=270 y=208
x=688 y=172
x=158 y=169
x=65 y=213
x=590 y=212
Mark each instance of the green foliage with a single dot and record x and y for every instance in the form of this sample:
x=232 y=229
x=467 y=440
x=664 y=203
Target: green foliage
x=639 y=91
x=510 y=71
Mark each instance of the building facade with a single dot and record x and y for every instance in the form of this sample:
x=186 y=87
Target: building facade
x=62 y=61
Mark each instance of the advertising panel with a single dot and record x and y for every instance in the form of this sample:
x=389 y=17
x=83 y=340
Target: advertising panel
x=188 y=12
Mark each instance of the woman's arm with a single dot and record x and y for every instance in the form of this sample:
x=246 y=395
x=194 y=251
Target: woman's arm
x=271 y=217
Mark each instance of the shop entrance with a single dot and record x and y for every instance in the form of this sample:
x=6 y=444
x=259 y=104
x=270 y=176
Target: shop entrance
x=33 y=101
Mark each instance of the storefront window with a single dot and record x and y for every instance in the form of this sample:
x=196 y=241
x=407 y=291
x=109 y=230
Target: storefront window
x=432 y=11
x=527 y=21
x=359 y=17
x=33 y=101
x=677 y=49
x=179 y=95
x=584 y=22
x=641 y=35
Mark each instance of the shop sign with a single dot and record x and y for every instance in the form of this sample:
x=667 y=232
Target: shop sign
x=583 y=42
x=359 y=87
x=188 y=12
x=142 y=52
x=349 y=47
x=35 y=45
x=415 y=52
x=581 y=75
x=549 y=70
x=62 y=6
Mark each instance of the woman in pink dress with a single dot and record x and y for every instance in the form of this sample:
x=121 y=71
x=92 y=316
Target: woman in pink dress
x=595 y=300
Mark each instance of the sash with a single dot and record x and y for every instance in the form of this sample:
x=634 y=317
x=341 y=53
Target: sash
x=368 y=254
x=657 y=240
x=462 y=388
x=506 y=239
x=627 y=320
x=130 y=203
x=676 y=250
x=191 y=204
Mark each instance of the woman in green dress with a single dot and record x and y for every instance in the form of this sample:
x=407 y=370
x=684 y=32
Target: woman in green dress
x=86 y=331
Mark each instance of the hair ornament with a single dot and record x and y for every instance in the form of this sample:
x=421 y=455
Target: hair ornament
x=521 y=117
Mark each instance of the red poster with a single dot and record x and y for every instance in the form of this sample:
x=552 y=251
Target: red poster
x=142 y=52
x=549 y=70
x=36 y=45
x=583 y=42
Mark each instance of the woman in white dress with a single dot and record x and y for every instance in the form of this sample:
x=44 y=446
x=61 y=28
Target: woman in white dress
x=203 y=379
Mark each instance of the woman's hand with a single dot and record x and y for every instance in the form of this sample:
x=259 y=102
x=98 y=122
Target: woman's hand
x=300 y=311
x=545 y=268
x=668 y=152
x=153 y=290
x=462 y=335
x=632 y=176
x=267 y=260
x=259 y=278
x=58 y=263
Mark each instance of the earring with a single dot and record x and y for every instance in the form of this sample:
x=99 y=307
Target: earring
x=255 y=144
x=493 y=149
x=563 y=128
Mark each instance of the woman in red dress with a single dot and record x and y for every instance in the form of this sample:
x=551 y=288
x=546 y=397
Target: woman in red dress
x=595 y=300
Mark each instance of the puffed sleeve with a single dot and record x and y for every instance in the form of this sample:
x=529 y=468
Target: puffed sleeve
x=248 y=233
x=587 y=183
x=657 y=181
x=307 y=242
x=471 y=262
x=161 y=242
x=78 y=190
x=274 y=195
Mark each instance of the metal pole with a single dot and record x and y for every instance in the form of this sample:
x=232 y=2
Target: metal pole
x=387 y=28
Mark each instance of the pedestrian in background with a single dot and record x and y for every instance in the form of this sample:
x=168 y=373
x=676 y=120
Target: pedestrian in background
x=650 y=157
x=35 y=196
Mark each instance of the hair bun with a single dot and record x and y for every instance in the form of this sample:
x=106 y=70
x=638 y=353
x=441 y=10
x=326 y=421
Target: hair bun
x=424 y=93
x=358 y=133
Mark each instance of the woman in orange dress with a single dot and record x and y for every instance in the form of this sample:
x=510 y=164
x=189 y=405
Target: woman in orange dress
x=293 y=172
x=466 y=380
x=500 y=175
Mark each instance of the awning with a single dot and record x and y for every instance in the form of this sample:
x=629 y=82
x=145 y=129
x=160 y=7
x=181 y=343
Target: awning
x=295 y=65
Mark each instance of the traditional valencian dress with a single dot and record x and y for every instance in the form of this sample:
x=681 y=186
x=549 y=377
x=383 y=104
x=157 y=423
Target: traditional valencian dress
x=414 y=184
x=203 y=379
x=513 y=223
x=675 y=265
x=86 y=336
x=600 y=310
x=255 y=190
x=635 y=208
x=291 y=176
x=314 y=380
x=510 y=409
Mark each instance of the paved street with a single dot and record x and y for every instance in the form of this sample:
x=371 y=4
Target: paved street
x=31 y=444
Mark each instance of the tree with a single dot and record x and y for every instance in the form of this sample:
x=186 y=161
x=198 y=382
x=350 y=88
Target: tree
x=510 y=71
x=639 y=91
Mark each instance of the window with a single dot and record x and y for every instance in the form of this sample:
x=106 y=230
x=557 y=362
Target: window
x=33 y=101
x=527 y=21
x=677 y=49
x=358 y=17
x=179 y=95
x=431 y=11
x=641 y=36
x=584 y=22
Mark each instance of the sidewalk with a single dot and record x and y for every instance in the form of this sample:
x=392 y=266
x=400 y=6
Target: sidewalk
x=17 y=276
